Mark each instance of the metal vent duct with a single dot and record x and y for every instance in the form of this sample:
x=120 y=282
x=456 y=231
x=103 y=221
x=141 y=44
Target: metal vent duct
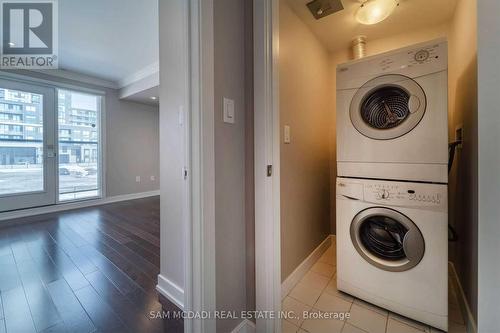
x=322 y=8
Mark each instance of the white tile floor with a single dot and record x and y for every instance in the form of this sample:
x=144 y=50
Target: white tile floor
x=317 y=291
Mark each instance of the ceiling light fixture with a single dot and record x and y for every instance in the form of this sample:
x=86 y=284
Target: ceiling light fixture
x=375 y=11
x=154 y=98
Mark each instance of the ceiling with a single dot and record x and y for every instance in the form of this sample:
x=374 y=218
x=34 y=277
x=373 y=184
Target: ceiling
x=108 y=39
x=146 y=96
x=336 y=31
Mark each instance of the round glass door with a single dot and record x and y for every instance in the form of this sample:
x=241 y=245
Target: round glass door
x=388 y=107
x=387 y=239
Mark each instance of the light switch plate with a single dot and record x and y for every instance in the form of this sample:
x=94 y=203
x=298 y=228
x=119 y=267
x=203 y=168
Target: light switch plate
x=181 y=115
x=286 y=134
x=228 y=111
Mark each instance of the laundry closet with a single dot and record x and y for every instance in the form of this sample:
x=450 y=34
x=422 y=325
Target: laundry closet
x=378 y=131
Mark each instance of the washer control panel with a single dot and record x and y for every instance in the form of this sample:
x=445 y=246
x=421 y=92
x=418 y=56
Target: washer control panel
x=405 y=194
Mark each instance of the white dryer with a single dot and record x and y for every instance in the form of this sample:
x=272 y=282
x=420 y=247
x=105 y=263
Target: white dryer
x=392 y=246
x=392 y=115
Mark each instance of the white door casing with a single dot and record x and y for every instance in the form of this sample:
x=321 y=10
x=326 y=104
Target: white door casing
x=267 y=163
x=187 y=276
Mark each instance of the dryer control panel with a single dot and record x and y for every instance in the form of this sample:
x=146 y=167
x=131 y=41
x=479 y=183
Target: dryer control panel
x=413 y=61
x=394 y=193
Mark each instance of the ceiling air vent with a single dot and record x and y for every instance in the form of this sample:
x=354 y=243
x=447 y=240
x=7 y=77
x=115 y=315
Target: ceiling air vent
x=322 y=8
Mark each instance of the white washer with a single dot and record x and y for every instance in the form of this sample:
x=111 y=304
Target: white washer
x=392 y=246
x=392 y=115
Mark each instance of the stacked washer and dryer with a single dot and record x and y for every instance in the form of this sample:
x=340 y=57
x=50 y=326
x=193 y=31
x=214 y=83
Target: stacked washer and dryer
x=392 y=159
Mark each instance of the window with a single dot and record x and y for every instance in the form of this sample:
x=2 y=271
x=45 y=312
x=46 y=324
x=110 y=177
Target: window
x=10 y=128
x=79 y=145
x=9 y=116
x=21 y=150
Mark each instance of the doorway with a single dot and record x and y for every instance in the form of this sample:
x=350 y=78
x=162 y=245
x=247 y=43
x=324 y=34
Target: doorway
x=274 y=133
x=27 y=146
x=50 y=145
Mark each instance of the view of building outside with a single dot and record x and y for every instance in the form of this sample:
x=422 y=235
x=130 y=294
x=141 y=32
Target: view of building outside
x=21 y=143
x=79 y=128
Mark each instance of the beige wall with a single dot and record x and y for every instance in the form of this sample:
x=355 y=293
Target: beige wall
x=463 y=178
x=305 y=105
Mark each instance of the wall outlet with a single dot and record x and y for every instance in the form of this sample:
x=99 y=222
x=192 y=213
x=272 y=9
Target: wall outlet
x=137 y=179
x=152 y=178
x=286 y=134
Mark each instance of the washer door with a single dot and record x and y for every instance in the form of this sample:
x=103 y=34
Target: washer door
x=388 y=107
x=387 y=239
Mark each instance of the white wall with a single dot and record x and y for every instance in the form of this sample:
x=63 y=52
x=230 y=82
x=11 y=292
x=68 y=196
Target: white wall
x=132 y=146
x=174 y=94
x=489 y=166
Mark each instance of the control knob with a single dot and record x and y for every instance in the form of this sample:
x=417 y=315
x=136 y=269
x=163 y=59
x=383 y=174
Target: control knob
x=422 y=55
x=383 y=194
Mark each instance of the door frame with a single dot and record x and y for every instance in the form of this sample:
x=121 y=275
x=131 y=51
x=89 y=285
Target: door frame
x=102 y=147
x=48 y=195
x=200 y=284
x=58 y=205
x=267 y=153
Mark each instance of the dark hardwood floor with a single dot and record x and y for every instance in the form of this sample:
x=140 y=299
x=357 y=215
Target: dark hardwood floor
x=88 y=270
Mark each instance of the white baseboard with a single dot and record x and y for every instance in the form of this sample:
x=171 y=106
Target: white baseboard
x=470 y=323
x=246 y=326
x=304 y=266
x=171 y=291
x=74 y=205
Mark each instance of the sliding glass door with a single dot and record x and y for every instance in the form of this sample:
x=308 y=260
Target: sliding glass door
x=50 y=145
x=27 y=146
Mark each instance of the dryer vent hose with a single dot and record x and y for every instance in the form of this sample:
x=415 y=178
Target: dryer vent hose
x=359 y=47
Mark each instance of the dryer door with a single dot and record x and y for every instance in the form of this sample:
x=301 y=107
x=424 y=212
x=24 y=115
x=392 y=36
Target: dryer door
x=387 y=239
x=388 y=107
